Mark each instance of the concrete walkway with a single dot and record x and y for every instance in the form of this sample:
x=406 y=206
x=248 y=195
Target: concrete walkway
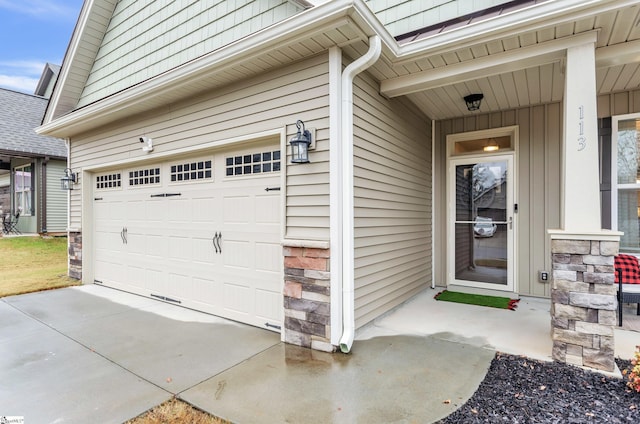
x=93 y=354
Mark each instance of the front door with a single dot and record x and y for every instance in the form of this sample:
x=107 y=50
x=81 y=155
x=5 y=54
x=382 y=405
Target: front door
x=481 y=227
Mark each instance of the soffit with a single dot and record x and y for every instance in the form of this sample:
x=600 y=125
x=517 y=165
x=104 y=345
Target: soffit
x=617 y=56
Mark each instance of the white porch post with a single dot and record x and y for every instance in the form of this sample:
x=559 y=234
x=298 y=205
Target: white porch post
x=581 y=190
x=583 y=294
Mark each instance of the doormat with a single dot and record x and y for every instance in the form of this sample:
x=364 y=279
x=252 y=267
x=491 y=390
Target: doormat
x=478 y=299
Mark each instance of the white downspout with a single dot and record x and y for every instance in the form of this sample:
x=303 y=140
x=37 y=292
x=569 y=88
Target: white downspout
x=433 y=214
x=346 y=137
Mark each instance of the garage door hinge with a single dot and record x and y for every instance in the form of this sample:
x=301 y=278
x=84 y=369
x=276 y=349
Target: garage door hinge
x=166 y=195
x=272 y=189
x=98 y=281
x=166 y=299
x=277 y=327
x=97 y=198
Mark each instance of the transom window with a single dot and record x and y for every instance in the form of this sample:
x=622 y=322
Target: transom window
x=110 y=180
x=254 y=163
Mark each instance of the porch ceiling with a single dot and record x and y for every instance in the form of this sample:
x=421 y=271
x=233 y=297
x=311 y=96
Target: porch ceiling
x=517 y=71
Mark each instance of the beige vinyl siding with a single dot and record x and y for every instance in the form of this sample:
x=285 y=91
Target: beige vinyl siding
x=392 y=207
x=56 y=198
x=620 y=103
x=401 y=17
x=147 y=38
x=537 y=189
x=272 y=101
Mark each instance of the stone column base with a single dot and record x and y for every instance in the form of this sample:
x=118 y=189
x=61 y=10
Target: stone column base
x=583 y=300
x=75 y=255
x=307 y=312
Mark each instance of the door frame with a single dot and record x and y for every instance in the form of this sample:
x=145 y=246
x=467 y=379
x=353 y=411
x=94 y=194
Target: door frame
x=452 y=159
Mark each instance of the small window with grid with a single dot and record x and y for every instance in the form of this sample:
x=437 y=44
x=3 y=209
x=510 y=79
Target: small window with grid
x=192 y=171
x=107 y=181
x=144 y=177
x=256 y=163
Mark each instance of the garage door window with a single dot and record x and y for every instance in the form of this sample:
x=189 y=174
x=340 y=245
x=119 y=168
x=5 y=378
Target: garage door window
x=256 y=163
x=109 y=181
x=144 y=177
x=192 y=171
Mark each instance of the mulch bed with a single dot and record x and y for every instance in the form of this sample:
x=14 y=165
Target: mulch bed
x=521 y=390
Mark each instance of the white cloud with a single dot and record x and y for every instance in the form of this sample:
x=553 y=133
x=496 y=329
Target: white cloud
x=20 y=75
x=48 y=9
x=19 y=83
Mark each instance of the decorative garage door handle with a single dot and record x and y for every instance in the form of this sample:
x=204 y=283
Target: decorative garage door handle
x=217 y=238
x=123 y=235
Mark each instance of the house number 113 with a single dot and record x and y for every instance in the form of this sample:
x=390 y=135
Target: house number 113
x=582 y=141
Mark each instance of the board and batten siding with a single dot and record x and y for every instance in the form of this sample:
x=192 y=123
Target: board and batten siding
x=147 y=38
x=56 y=198
x=537 y=187
x=271 y=101
x=392 y=204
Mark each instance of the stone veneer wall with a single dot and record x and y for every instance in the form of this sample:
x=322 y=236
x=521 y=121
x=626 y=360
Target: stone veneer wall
x=583 y=302
x=75 y=255
x=307 y=311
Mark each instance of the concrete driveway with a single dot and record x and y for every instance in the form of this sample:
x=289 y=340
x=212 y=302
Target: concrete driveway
x=92 y=354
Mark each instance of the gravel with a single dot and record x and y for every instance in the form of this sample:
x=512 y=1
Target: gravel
x=521 y=390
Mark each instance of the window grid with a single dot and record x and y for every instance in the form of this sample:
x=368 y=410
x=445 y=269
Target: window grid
x=255 y=163
x=192 y=171
x=141 y=177
x=107 y=181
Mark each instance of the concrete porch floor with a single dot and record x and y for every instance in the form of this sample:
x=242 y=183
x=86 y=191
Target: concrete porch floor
x=525 y=331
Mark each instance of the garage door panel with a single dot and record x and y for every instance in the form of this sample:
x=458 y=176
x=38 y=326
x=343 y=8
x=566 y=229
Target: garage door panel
x=170 y=248
x=268 y=257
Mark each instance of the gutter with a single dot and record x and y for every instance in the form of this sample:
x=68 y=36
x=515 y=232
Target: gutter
x=346 y=137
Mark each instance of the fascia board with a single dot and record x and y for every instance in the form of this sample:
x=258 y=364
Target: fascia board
x=304 y=25
x=528 y=19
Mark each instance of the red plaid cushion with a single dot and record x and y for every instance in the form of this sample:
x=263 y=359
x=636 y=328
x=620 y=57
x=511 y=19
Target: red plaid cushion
x=628 y=264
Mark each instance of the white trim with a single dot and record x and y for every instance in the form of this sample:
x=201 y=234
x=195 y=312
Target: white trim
x=499 y=63
x=604 y=235
x=433 y=210
x=310 y=244
x=335 y=192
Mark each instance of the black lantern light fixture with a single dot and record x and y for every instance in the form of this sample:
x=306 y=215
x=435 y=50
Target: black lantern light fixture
x=300 y=144
x=66 y=182
x=473 y=101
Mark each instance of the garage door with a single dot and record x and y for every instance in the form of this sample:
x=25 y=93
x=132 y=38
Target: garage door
x=200 y=232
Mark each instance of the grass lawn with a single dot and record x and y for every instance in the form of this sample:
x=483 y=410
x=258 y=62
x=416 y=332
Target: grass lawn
x=29 y=264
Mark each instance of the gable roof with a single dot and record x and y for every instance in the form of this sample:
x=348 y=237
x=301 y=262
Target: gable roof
x=47 y=80
x=20 y=114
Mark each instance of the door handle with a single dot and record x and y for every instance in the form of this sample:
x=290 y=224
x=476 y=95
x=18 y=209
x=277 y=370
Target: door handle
x=126 y=240
x=511 y=223
x=215 y=246
x=220 y=242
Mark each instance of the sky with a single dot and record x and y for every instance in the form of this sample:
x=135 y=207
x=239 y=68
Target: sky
x=32 y=33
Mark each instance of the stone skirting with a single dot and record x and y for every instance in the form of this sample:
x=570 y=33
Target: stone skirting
x=75 y=255
x=307 y=312
x=583 y=302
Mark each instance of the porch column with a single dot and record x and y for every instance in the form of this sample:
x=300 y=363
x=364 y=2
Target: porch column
x=583 y=293
x=580 y=211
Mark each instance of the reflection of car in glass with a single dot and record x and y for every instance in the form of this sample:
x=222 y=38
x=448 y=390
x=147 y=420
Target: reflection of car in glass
x=484 y=227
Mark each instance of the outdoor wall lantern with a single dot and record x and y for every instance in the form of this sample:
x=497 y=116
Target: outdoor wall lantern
x=300 y=144
x=473 y=101
x=66 y=182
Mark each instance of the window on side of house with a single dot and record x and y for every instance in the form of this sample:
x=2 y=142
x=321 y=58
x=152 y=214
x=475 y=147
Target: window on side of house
x=23 y=190
x=626 y=178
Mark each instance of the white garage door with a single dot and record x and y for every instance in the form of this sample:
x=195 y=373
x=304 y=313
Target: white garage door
x=200 y=232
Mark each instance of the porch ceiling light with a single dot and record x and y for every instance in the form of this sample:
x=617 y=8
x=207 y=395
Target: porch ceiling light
x=66 y=182
x=492 y=146
x=300 y=144
x=473 y=101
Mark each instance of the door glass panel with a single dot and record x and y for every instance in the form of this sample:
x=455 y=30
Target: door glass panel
x=481 y=227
